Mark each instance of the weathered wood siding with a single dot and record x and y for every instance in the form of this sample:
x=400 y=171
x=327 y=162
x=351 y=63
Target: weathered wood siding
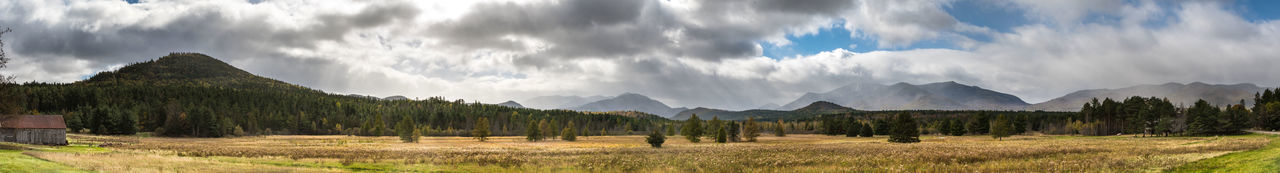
x=34 y=136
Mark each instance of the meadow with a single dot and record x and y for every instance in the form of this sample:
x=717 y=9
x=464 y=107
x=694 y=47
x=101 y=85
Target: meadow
x=793 y=153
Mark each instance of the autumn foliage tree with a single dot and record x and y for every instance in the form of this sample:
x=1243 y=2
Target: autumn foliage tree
x=481 y=131
x=751 y=129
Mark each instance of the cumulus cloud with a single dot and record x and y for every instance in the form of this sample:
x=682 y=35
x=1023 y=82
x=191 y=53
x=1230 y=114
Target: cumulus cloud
x=682 y=52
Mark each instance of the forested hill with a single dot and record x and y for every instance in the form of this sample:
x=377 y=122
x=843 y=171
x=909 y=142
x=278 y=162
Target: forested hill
x=194 y=95
x=188 y=69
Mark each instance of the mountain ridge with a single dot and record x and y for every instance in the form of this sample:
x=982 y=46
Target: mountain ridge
x=812 y=110
x=1177 y=93
x=904 y=96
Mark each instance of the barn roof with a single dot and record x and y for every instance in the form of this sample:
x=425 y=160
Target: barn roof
x=34 y=122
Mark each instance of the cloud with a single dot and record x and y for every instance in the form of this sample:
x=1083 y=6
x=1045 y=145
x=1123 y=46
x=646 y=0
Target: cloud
x=682 y=52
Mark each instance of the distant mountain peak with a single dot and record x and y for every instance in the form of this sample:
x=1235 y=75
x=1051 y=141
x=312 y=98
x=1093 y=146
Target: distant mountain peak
x=822 y=106
x=511 y=103
x=630 y=102
x=187 y=69
x=396 y=97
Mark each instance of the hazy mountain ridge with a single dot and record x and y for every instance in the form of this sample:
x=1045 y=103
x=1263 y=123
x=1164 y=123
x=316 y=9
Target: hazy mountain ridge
x=814 y=109
x=630 y=102
x=560 y=102
x=1177 y=93
x=904 y=96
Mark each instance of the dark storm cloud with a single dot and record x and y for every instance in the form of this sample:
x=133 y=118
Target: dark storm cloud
x=197 y=30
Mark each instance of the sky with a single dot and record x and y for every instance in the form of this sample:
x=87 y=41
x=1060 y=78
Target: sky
x=731 y=54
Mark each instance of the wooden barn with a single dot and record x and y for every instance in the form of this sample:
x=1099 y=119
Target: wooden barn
x=34 y=129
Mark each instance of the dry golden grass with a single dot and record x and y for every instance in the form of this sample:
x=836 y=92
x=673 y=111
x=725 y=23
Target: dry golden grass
x=803 y=153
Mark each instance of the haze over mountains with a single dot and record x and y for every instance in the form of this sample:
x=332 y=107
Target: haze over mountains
x=904 y=96
x=813 y=109
x=1177 y=93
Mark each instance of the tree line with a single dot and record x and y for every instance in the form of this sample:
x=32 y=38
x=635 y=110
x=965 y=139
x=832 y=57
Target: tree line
x=201 y=111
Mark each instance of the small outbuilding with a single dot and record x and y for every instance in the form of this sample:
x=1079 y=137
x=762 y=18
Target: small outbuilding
x=34 y=129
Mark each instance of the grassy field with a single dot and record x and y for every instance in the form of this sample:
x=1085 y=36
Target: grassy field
x=1266 y=159
x=794 y=153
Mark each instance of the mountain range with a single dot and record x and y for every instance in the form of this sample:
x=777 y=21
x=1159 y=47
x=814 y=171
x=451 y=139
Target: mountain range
x=904 y=96
x=930 y=96
x=813 y=109
x=1177 y=93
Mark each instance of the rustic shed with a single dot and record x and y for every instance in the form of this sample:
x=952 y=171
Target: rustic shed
x=34 y=129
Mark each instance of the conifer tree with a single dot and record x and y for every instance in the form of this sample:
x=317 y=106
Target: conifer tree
x=780 y=130
x=404 y=129
x=692 y=129
x=548 y=132
x=481 y=131
x=957 y=128
x=655 y=139
x=904 y=129
x=721 y=135
x=852 y=127
x=866 y=130
x=882 y=126
x=532 y=132
x=1203 y=119
x=569 y=134
x=1001 y=127
x=711 y=127
x=751 y=129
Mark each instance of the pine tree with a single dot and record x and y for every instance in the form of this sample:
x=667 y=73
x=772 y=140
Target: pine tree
x=1001 y=127
x=655 y=139
x=979 y=124
x=882 y=127
x=405 y=129
x=904 y=129
x=957 y=128
x=721 y=135
x=1203 y=119
x=569 y=134
x=128 y=124
x=693 y=129
x=481 y=131
x=1019 y=124
x=547 y=131
x=866 y=131
x=711 y=126
x=780 y=130
x=852 y=128
x=532 y=133
x=751 y=129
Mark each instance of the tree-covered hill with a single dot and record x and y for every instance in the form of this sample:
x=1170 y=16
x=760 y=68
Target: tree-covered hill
x=189 y=94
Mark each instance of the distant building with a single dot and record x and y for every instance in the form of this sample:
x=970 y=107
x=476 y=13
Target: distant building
x=34 y=129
